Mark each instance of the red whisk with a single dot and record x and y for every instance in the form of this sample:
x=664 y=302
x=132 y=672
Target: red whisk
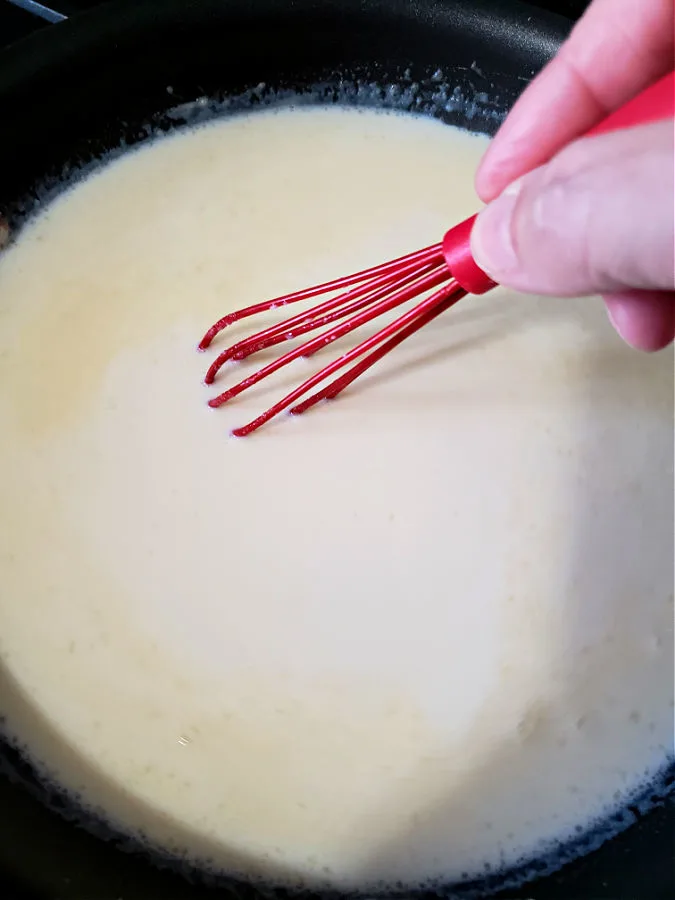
x=446 y=269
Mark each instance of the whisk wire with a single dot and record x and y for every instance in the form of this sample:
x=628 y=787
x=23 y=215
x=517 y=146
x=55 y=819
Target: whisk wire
x=332 y=310
x=446 y=298
x=406 y=324
x=427 y=282
x=382 y=270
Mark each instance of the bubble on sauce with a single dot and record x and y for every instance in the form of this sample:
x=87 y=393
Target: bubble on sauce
x=450 y=92
x=19 y=764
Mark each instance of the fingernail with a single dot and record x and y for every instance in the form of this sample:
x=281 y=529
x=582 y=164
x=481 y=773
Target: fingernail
x=491 y=238
x=622 y=318
x=644 y=319
x=614 y=316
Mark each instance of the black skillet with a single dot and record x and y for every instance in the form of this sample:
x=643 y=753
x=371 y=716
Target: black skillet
x=80 y=88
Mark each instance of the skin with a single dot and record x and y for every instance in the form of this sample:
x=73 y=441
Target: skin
x=568 y=215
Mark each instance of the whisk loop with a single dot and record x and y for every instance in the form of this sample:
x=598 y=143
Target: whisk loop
x=370 y=293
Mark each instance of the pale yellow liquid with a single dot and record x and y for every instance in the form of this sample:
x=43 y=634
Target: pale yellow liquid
x=422 y=629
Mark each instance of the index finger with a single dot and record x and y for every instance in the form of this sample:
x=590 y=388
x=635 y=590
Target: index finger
x=616 y=49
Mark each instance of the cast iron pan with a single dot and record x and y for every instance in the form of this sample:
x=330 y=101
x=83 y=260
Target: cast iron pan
x=133 y=68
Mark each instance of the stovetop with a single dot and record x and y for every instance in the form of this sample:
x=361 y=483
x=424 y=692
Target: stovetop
x=16 y=23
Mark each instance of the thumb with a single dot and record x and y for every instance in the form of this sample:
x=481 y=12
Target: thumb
x=598 y=218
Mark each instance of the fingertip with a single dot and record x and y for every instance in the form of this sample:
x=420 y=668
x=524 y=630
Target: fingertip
x=483 y=181
x=644 y=319
x=493 y=174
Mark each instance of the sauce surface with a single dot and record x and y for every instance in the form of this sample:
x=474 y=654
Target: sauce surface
x=421 y=632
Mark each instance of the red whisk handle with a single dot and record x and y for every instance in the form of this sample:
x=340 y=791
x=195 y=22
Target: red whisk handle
x=654 y=104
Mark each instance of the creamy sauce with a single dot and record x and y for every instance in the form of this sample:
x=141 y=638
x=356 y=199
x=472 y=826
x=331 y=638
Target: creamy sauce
x=422 y=631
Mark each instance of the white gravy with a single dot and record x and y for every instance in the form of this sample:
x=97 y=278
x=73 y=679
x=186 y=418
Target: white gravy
x=422 y=631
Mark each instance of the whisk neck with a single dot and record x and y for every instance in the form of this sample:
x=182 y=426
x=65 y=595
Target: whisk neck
x=457 y=253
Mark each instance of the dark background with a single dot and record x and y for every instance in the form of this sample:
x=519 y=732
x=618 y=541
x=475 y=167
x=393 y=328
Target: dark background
x=15 y=23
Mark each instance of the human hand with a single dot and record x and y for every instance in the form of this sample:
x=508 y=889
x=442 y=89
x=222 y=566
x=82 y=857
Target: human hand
x=599 y=216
